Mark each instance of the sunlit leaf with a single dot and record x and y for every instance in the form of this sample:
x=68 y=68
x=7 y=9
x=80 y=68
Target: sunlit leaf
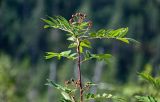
x=46 y=26
x=85 y=43
x=81 y=49
x=50 y=55
x=123 y=39
x=112 y=34
x=58 y=22
x=83 y=26
x=65 y=53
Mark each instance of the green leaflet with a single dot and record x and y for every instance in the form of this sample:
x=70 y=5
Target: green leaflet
x=65 y=100
x=102 y=56
x=89 y=56
x=65 y=91
x=83 y=25
x=50 y=23
x=92 y=34
x=72 y=45
x=66 y=54
x=90 y=96
x=46 y=26
x=101 y=33
x=67 y=97
x=73 y=54
x=112 y=34
x=154 y=81
x=71 y=38
x=145 y=99
x=121 y=32
x=123 y=39
x=85 y=43
x=57 y=86
x=50 y=55
x=81 y=49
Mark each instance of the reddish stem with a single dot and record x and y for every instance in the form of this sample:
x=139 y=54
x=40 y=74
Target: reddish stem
x=79 y=70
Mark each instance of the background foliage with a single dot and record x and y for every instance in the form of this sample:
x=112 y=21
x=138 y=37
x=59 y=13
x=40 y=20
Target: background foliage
x=23 y=43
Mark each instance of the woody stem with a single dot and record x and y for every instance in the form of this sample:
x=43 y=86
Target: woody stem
x=79 y=70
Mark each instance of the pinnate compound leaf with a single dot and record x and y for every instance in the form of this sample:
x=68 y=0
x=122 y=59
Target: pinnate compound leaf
x=147 y=77
x=154 y=81
x=89 y=56
x=112 y=34
x=58 y=22
x=50 y=55
x=66 y=54
x=65 y=91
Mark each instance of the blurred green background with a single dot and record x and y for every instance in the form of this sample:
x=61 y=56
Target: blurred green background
x=23 y=43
